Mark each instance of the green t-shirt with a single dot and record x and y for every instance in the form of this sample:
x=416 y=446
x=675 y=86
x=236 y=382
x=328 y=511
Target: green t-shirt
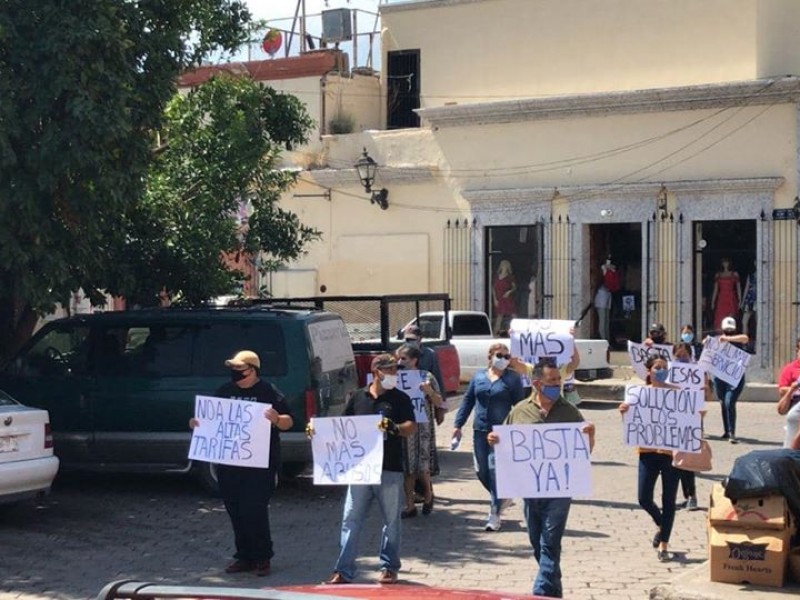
x=528 y=412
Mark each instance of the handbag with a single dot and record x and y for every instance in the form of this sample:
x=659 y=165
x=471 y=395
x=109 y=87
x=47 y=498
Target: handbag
x=697 y=462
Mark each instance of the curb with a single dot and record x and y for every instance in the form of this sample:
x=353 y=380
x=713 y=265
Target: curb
x=614 y=390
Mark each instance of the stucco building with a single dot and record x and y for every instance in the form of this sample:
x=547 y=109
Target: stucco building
x=555 y=134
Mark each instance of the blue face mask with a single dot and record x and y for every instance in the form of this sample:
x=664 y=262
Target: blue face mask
x=551 y=391
x=660 y=375
x=687 y=337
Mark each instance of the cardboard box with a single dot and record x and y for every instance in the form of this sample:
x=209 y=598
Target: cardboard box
x=754 y=556
x=766 y=512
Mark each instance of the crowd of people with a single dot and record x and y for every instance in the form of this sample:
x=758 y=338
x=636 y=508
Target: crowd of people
x=495 y=395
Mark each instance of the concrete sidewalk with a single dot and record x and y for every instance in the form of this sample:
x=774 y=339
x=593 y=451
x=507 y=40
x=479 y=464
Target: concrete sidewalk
x=614 y=389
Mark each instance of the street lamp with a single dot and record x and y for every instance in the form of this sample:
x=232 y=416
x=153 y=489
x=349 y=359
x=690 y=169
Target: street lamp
x=367 y=168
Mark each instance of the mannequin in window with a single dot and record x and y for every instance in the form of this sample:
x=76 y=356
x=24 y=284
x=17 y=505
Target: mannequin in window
x=503 y=289
x=602 y=304
x=748 y=305
x=610 y=275
x=727 y=293
x=533 y=299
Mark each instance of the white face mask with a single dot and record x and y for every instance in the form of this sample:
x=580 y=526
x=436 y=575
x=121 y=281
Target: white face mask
x=389 y=382
x=500 y=363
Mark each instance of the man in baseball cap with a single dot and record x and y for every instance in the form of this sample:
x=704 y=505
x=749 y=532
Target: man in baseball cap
x=246 y=491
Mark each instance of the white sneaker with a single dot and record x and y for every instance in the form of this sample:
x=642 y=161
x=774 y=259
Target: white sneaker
x=493 y=522
x=505 y=504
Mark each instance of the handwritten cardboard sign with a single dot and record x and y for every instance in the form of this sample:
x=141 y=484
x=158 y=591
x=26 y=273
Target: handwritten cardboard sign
x=408 y=381
x=231 y=432
x=639 y=353
x=534 y=339
x=347 y=450
x=686 y=375
x=724 y=360
x=543 y=461
x=663 y=418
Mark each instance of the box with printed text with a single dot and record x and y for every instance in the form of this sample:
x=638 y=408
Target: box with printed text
x=753 y=556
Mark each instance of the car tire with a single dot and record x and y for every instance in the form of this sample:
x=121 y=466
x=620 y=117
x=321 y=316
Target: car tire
x=206 y=474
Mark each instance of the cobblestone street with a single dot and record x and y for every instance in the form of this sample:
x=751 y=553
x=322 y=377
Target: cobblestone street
x=95 y=528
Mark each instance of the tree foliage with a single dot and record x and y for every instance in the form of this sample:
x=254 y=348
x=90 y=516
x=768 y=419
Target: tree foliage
x=212 y=188
x=83 y=86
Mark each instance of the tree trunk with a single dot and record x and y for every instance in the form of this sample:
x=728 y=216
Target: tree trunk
x=17 y=321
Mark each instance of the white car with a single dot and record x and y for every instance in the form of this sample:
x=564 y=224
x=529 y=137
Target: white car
x=27 y=463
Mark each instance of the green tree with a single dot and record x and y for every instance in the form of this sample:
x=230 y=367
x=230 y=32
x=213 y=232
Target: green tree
x=82 y=87
x=218 y=163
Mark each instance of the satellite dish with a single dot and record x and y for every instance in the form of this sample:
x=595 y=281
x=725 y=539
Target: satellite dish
x=272 y=42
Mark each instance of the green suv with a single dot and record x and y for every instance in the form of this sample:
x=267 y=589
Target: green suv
x=120 y=386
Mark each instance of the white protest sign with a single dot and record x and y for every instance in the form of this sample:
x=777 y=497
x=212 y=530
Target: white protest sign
x=408 y=381
x=533 y=339
x=331 y=343
x=663 y=418
x=639 y=353
x=542 y=461
x=231 y=432
x=347 y=450
x=724 y=360
x=686 y=375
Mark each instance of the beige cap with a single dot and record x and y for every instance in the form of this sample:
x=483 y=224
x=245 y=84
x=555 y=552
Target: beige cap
x=728 y=323
x=244 y=358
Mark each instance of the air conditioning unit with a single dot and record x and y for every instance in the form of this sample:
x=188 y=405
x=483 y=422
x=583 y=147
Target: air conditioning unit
x=337 y=25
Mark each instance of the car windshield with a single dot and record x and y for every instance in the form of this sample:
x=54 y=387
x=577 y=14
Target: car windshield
x=6 y=400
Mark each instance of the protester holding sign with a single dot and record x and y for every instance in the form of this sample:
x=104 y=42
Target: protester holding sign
x=728 y=393
x=684 y=354
x=491 y=393
x=379 y=397
x=246 y=491
x=789 y=396
x=655 y=463
x=421 y=458
x=546 y=517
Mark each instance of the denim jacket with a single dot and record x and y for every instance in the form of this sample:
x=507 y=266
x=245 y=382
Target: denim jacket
x=492 y=400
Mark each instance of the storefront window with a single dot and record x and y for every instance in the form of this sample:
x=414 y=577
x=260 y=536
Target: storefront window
x=513 y=262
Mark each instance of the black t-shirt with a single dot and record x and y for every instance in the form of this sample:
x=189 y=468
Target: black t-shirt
x=393 y=404
x=263 y=392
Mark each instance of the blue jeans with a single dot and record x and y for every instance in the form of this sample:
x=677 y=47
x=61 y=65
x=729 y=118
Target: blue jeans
x=483 y=453
x=651 y=465
x=728 y=395
x=547 y=519
x=390 y=497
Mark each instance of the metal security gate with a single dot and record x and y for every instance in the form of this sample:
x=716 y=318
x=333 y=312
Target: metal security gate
x=559 y=288
x=458 y=260
x=667 y=301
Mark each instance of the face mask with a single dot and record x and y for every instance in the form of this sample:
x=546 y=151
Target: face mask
x=657 y=338
x=551 y=391
x=414 y=343
x=660 y=375
x=729 y=331
x=237 y=375
x=687 y=337
x=500 y=363
x=389 y=382
x=683 y=358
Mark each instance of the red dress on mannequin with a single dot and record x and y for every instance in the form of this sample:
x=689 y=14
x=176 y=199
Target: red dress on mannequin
x=505 y=306
x=727 y=297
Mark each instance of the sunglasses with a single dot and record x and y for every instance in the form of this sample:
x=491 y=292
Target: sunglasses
x=500 y=355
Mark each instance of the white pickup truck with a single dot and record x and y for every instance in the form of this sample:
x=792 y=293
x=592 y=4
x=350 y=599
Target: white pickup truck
x=471 y=334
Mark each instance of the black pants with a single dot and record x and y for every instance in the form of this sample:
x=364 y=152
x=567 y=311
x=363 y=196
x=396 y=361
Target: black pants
x=687 y=483
x=651 y=466
x=246 y=492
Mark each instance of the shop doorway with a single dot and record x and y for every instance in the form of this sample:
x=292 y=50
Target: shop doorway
x=615 y=273
x=513 y=284
x=719 y=293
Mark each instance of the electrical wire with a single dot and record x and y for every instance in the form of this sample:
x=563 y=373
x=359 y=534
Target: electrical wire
x=547 y=166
